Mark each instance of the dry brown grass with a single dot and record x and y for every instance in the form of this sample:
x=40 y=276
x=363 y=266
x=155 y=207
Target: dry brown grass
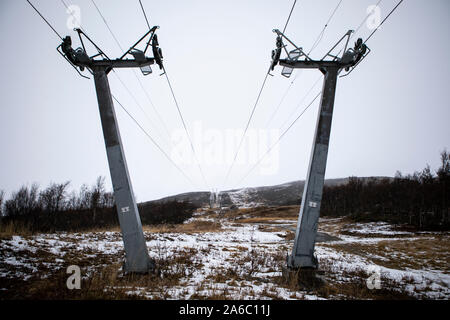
x=423 y=252
x=271 y=220
x=333 y=226
x=197 y=226
x=290 y=235
x=282 y=212
x=14 y=228
x=7 y=230
x=105 y=280
x=271 y=228
x=305 y=281
x=97 y=230
x=249 y=264
x=356 y=287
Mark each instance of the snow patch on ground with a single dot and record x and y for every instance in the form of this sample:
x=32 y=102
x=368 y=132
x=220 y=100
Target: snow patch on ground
x=223 y=250
x=379 y=228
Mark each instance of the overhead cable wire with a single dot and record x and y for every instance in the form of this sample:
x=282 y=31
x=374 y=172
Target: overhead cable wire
x=138 y=104
x=139 y=81
x=43 y=18
x=321 y=34
x=279 y=139
x=367 y=17
x=145 y=15
x=179 y=112
x=272 y=116
x=107 y=25
x=117 y=75
x=71 y=12
x=126 y=111
x=153 y=141
x=73 y=16
x=185 y=128
x=384 y=20
x=256 y=104
x=246 y=127
x=126 y=87
x=301 y=101
x=314 y=46
x=292 y=124
x=163 y=123
x=289 y=17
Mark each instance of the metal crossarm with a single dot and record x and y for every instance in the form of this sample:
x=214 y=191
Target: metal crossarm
x=137 y=259
x=302 y=255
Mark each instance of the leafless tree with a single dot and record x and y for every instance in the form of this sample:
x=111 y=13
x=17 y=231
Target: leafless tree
x=444 y=171
x=97 y=191
x=53 y=199
x=23 y=202
x=2 y=195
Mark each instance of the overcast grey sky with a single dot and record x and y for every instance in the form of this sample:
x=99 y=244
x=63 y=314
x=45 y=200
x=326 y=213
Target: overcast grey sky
x=391 y=114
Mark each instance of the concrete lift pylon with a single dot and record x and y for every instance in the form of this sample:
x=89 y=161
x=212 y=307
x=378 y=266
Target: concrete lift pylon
x=137 y=259
x=302 y=255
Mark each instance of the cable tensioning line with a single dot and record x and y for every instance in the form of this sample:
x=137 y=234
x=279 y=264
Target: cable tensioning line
x=185 y=128
x=153 y=141
x=46 y=21
x=279 y=139
x=376 y=29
